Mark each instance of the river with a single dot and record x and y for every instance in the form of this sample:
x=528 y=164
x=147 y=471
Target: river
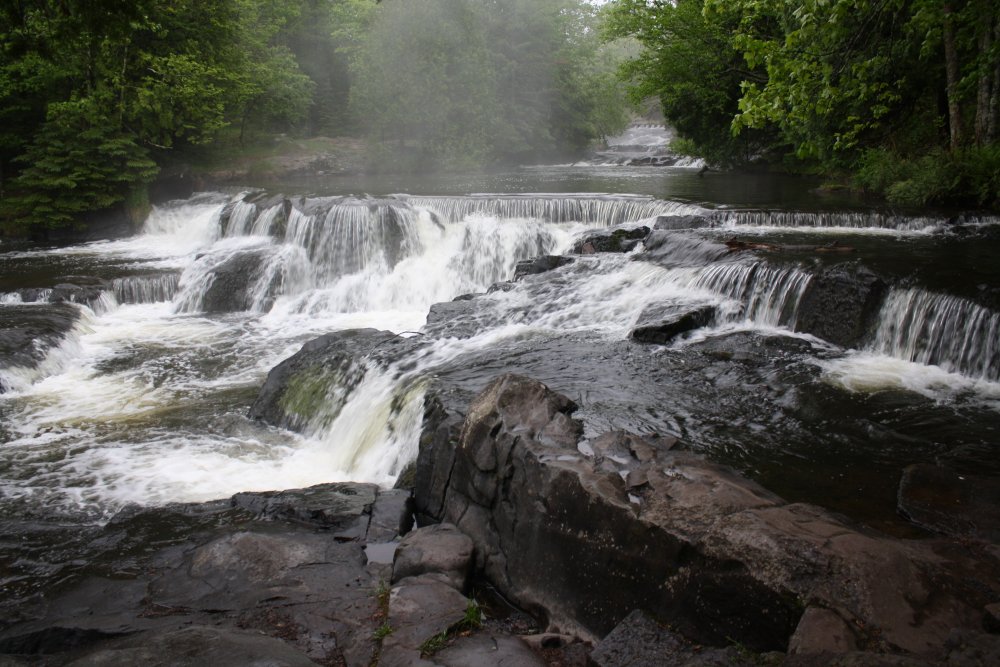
x=141 y=397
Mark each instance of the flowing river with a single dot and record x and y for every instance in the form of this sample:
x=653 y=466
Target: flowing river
x=137 y=390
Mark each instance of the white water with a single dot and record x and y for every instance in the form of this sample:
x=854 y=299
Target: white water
x=137 y=403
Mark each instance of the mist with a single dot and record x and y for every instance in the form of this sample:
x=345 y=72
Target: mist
x=462 y=83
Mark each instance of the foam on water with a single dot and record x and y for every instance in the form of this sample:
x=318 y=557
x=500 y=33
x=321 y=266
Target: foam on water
x=145 y=400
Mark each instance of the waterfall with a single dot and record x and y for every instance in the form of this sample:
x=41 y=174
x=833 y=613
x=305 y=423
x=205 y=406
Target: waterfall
x=828 y=219
x=240 y=219
x=145 y=289
x=606 y=211
x=940 y=330
x=348 y=237
x=767 y=295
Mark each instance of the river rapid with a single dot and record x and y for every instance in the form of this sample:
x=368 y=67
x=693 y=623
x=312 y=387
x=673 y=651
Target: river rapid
x=136 y=391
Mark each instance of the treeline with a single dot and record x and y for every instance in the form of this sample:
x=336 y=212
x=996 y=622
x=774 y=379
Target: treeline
x=95 y=97
x=902 y=95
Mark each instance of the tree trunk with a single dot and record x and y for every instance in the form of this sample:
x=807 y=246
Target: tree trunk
x=986 y=65
x=952 y=74
x=994 y=112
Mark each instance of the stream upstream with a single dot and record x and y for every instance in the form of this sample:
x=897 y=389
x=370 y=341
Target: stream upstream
x=135 y=389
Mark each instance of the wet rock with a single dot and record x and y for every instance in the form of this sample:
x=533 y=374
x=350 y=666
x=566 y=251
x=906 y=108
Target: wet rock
x=619 y=240
x=991 y=618
x=315 y=381
x=441 y=549
x=662 y=324
x=461 y=318
x=391 y=516
x=840 y=304
x=675 y=222
x=234 y=281
x=639 y=641
x=822 y=631
x=196 y=645
x=716 y=556
x=342 y=508
x=86 y=295
x=972 y=649
x=505 y=286
x=543 y=264
x=28 y=333
x=946 y=502
x=488 y=649
x=255 y=566
x=420 y=608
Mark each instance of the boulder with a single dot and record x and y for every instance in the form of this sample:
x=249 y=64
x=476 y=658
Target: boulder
x=618 y=240
x=28 y=334
x=840 y=304
x=662 y=324
x=583 y=540
x=543 y=264
x=822 y=631
x=675 y=222
x=233 y=281
x=344 y=509
x=947 y=502
x=439 y=549
x=314 y=383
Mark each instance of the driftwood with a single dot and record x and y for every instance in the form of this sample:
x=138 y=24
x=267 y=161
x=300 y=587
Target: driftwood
x=735 y=245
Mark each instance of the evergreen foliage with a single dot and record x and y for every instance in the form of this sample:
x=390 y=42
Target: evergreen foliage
x=94 y=96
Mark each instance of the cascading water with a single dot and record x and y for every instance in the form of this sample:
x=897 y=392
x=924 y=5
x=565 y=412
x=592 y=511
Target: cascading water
x=940 y=330
x=141 y=394
x=210 y=310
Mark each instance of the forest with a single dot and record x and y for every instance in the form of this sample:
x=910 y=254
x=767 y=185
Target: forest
x=897 y=97
x=96 y=97
x=894 y=97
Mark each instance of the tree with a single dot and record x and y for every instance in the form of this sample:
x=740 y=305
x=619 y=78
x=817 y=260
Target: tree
x=92 y=93
x=691 y=64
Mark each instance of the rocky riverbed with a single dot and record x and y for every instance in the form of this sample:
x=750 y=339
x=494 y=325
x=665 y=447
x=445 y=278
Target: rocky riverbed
x=532 y=545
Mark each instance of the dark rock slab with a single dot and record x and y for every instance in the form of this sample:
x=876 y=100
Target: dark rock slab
x=662 y=325
x=991 y=618
x=618 y=240
x=840 y=304
x=461 y=318
x=86 y=295
x=341 y=507
x=947 y=502
x=28 y=333
x=822 y=631
x=391 y=516
x=302 y=387
x=488 y=649
x=719 y=558
x=676 y=222
x=420 y=608
x=196 y=645
x=441 y=549
x=233 y=280
x=543 y=264
x=639 y=641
